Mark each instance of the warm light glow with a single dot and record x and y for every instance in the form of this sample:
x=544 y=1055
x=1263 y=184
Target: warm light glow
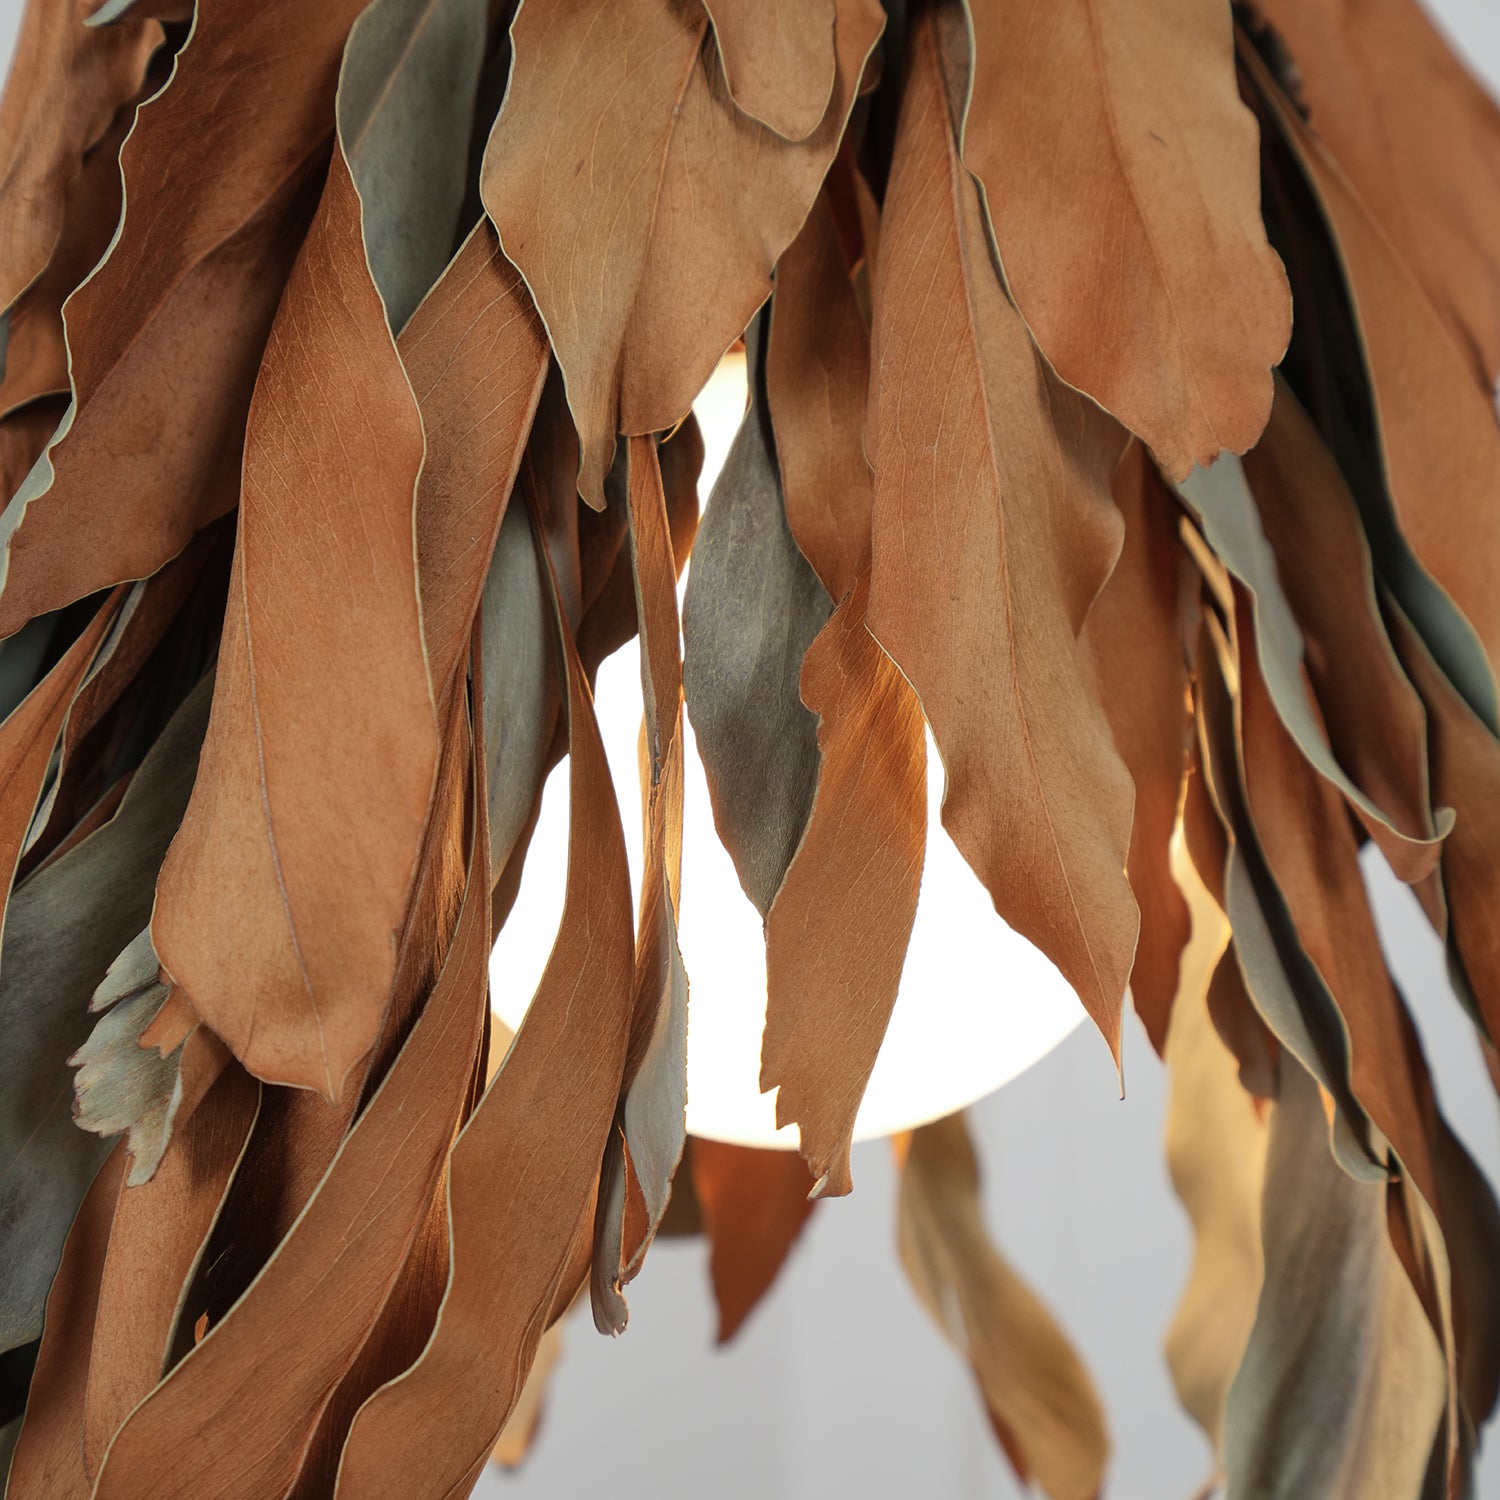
x=978 y=1003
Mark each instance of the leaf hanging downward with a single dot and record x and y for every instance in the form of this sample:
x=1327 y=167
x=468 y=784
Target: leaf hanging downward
x=1115 y=129
x=647 y=217
x=1038 y=1393
x=993 y=532
x=778 y=59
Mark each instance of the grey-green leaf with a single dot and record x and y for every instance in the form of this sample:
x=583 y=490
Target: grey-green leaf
x=405 y=108
x=753 y=607
x=64 y=927
x=1343 y=1384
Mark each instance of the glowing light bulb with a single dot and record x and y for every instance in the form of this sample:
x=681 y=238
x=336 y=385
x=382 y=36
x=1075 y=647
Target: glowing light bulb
x=978 y=1004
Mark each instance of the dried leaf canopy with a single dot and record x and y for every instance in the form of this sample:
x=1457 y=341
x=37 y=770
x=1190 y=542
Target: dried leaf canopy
x=345 y=429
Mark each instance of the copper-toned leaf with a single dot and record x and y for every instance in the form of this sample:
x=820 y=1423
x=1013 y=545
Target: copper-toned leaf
x=837 y=933
x=520 y=1188
x=279 y=902
x=653 y=1110
x=993 y=531
x=778 y=59
x=63 y=928
x=1418 y=137
x=817 y=379
x=1116 y=129
x=1341 y=1389
x=166 y=337
x=1038 y=1392
x=1232 y=524
x=67 y=80
x=1435 y=428
x=158 y=1234
x=647 y=216
x=755 y=1204
x=1216 y=1151
x=49 y=1457
x=304 y=1318
x=1374 y=719
x=752 y=609
x=1134 y=636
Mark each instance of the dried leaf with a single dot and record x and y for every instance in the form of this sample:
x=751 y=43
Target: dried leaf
x=160 y=1229
x=279 y=902
x=1134 y=639
x=519 y=1188
x=993 y=531
x=375 y=1194
x=66 y=82
x=1341 y=1389
x=653 y=1111
x=837 y=933
x=520 y=1430
x=49 y=1456
x=752 y=609
x=1419 y=139
x=62 y=929
x=1232 y=524
x=1037 y=1391
x=817 y=386
x=476 y=356
x=167 y=336
x=1116 y=129
x=778 y=60
x=755 y=1204
x=1435 y=429
x=1216 y=1151
x=650 y=272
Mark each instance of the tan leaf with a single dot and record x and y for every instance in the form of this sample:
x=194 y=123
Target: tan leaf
x=837 y=933
x=778 y=59
x=521 y=1188
x=67 y=80
x=1374 y=718
x=1134 y=639
x=167 y=336
x=1036 y=1389
x=1216 y=1151
x=993 y=532
x=1124 y=193
x=1419 y=139
x=1341 y=1388
x=375 y=1194
x=279 y=904
x=755 y=1204
x=1438 y=439
x=647 y=217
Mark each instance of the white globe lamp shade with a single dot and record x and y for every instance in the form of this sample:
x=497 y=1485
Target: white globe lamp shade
x=977 y=1006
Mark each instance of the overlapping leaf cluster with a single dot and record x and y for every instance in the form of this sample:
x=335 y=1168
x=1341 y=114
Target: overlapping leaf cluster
x=345 y=425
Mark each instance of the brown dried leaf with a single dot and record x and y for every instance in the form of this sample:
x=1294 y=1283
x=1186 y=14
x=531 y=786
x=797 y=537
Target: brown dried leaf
x=647 y=217
x=993 y=532
x=521 y=1188
x=755 y=1204
x=1419 y=139
x=1216 y=1150
x=166 y=338
x=778 y=59
x=277 y=1358
x=1134 y=637
x=66 y=81
x=1436 y=429
x=1341 y=1389
x=1038 y=1392
x=1115 y=129
x=278 y=904
x=1374 y=718
x=837 y=933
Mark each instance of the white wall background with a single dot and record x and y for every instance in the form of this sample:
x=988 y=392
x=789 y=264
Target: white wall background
x=839 y=1386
